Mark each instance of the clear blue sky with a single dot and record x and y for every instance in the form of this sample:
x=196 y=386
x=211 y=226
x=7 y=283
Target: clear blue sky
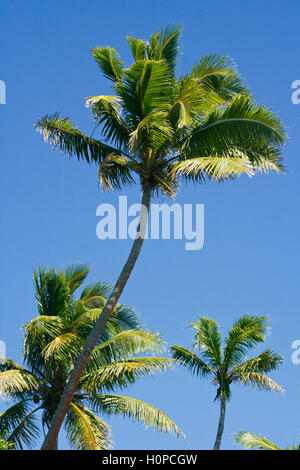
x=250 y=261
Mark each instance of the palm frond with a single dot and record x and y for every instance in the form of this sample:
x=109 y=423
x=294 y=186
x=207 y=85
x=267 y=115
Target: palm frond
x=165 y=45
x=242 y=125
x=190 y=360
x=138 y=48
x=64 y=349
x=74 y=275
x=115 y=172
x=218 y=79
x=122 y=373
x=19 y=421
x=125 y=344
x=215 y=168
x=263 y=363
x=106 y=110
x=109 y=62
x=137 y=410
x=85 y=430
x=51 y=292
x=253 y=441
x=38 y=332
x=259 y=380
x=153 y=131
x=145 y=87
x=63 y=134
x=246 y=333
x=188 y=103
x=208 y=340
x=94 y=295
x=18 y=383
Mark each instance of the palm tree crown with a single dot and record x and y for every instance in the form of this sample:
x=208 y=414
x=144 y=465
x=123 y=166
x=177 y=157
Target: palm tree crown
x=229 y=364
x=52 y=342
x=160 y=127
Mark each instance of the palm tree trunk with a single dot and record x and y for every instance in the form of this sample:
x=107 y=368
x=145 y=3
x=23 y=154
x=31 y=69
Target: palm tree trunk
x=221 y=425
x=55 y=445
x=99 y=325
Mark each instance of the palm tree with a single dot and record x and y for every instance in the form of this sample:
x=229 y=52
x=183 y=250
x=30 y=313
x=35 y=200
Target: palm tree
x=253 y=441
x=4 y=444
x=157 y=129
x=229 y=364
x=52 y=342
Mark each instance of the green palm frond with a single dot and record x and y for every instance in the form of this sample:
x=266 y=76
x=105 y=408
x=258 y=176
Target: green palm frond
x=252 y=441
x=85 y=430
x=8 y=364
x=122 y=373
x=137 y=410
x=208 y=340
x=64 y=349
x=51 y=292
x=109 y=62
x=293 y=447
x=245 y=334
x=115 y=172
x=165 y=45
x=38 y=332
x=63 y=134
x=19 y=421
x=194 y=364
x=259 y=380
x=16 y=383
x=264 y=362
x=125 y=344
x=153 y=131
x=145 y=87
x=138 y=48
x=74 y=275
x=215 y=168
x=124 y=318
x=218 y=78
x=242 y=125
x=94 y=295
x=188 y=103
x=106 y=110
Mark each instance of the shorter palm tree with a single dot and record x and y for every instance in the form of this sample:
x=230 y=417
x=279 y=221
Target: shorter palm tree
x=52 y=342
x=229 y=364
x=253 y=441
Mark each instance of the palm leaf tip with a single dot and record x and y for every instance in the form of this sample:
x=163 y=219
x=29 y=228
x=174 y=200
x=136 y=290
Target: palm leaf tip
x=252 y=441
x=109 y=62
x=138 y=410
x=85 y=430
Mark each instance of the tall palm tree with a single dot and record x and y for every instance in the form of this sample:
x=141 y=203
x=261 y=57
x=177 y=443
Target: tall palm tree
x=52 y=342
x=229 y=364
x=253 y=441
x=157 y=129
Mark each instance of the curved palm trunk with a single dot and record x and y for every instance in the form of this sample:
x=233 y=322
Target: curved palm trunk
x=221 y=425
x=92 y=339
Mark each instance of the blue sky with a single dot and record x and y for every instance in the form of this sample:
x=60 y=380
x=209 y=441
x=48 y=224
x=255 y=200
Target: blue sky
x=250 y=260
